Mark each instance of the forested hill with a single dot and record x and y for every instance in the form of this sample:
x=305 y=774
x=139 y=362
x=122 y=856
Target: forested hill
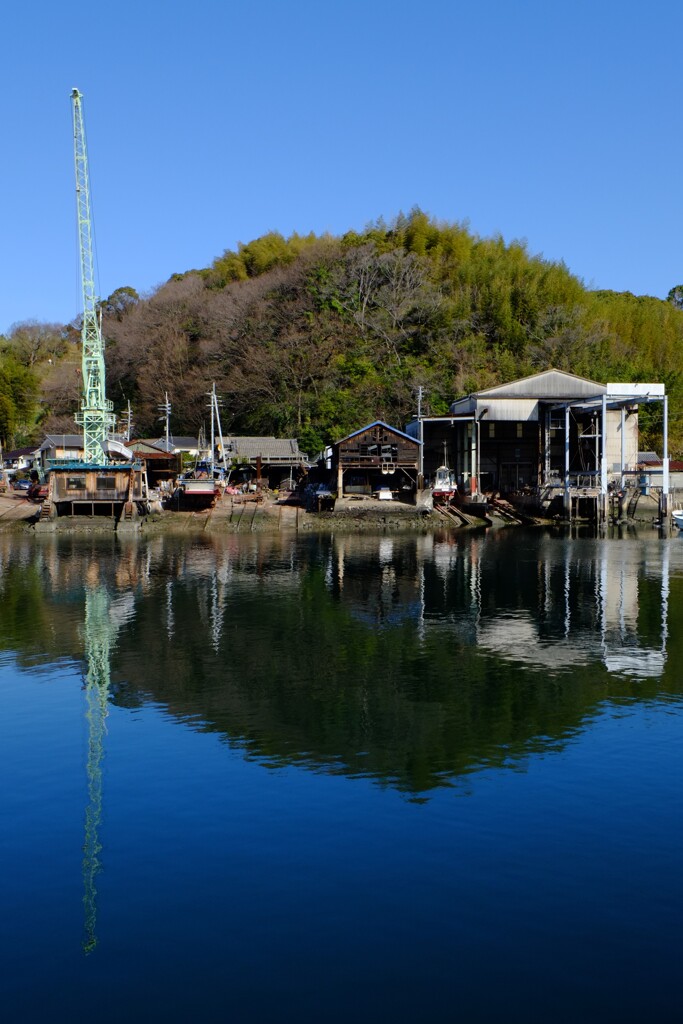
x=312 y=337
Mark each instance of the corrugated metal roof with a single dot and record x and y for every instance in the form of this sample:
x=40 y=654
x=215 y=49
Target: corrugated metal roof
x=550 y=384
x=464 y=406
x=186 y=443
x=511 y=410
x=150 y=448
x=652 y=461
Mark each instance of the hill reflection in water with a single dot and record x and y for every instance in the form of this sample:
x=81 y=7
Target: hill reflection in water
x=409 y=660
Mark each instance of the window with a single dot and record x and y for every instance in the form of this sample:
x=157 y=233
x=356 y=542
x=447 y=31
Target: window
x=492 y=429
x=75 y=483
x=106 y=483
x=520 y=430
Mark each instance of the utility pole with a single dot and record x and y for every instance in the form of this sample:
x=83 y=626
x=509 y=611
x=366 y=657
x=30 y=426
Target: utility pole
x=213 y=439
x=165 y=410
x=217 y=405
x=420 y=437
x=96 y=415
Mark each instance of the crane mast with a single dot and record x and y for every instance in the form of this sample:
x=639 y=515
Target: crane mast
x=96 y=415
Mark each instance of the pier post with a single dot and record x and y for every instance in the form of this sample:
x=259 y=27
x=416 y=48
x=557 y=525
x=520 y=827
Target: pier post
x=567 y=493
x=603 y=461
x=623 y=448
x=664 y=501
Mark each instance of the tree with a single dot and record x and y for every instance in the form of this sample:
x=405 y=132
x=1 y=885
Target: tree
x=120 y=302
x=316 y=336
x=31 y=342
x=18 y=395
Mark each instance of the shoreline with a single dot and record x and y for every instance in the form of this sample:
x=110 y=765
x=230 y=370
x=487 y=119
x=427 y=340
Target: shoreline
x=350 y=515
x=228 y=516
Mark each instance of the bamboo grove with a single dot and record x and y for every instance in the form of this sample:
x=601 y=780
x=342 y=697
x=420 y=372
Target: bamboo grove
x=311 y=337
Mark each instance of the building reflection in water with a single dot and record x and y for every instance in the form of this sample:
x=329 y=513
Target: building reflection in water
x=562 y=605
x=375 y=656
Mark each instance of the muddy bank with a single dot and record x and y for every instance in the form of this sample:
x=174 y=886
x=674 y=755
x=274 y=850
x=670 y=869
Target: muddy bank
x=350 y=515
x=230 y=516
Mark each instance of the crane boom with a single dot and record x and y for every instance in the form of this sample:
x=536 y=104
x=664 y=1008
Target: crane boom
x=96 y=415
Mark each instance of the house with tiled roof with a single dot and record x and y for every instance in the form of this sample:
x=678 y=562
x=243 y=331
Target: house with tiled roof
x=20 y=459
x=61 y=448
x=270 y=459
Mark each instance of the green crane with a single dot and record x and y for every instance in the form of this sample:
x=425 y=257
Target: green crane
x=96 y=415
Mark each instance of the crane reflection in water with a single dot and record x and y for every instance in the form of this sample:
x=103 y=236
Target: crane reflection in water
x=558 y=607
x=103 y=617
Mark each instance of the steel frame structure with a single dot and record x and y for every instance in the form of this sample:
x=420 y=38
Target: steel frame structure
x=96 y=415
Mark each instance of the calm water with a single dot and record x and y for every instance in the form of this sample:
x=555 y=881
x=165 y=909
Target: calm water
x=351 y=779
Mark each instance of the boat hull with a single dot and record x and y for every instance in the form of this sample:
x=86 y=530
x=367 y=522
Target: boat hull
x=195 y=495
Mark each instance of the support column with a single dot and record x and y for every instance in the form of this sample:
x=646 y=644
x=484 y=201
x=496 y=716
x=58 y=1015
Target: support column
x=664 y=508
x=603 y=460
x=476 y=441
x=623 y=448
x=567 y=496
x=340 y=481
x=545 y=455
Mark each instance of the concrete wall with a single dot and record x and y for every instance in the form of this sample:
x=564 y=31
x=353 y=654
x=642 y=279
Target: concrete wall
x=613 y=437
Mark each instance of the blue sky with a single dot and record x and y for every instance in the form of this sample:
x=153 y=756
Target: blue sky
x=211 y=123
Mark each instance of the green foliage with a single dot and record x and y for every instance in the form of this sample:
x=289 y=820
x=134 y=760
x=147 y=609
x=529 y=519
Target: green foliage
x=31 y=342
x=120 y=302
x=312 y=337
x=256 y=258
x=18 y=396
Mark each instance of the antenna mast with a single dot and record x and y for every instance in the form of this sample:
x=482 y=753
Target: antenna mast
x=96 y=413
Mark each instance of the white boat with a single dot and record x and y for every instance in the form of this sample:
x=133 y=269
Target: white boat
x=444 y=485
x=677 y=516
x=110 y=447
x=196 y=494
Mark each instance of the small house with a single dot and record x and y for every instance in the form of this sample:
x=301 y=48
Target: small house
x=273 y=461
x=21 y=459
x=61 y=448
x=377 y=460
x=162 y=466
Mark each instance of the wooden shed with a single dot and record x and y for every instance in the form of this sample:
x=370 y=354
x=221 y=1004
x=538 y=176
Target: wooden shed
x=82 y=488
x=377 y=460
x=161 y=464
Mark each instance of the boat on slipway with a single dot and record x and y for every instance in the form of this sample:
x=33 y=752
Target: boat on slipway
x=195 y=494
x=444 y=486
x=677 y=516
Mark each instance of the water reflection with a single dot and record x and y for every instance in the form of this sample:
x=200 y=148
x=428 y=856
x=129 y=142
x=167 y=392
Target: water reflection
x=411 y=660
x=103 y=618
x=549 y=608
